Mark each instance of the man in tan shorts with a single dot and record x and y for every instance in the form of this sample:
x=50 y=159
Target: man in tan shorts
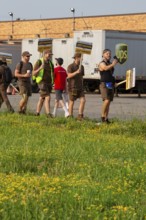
x=23 y=73
x=44 y=74
x=75 y=85
x=4 y=85
x=107 y=83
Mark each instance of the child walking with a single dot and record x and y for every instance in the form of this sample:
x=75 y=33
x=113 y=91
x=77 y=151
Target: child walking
x=60 y=76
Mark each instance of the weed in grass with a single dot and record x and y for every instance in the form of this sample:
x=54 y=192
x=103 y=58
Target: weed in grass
x=65 y=169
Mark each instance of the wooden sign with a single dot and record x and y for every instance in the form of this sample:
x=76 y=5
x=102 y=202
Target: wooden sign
x=44 y=44
x=83 y=47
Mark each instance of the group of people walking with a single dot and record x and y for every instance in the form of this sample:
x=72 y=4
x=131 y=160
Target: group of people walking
x=69 y=82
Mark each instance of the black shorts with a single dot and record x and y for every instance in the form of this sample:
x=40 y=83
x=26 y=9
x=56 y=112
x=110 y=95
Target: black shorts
x=58 y=94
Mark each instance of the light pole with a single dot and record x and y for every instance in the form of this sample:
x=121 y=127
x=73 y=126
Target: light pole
x=74 y=22
x=11 y=14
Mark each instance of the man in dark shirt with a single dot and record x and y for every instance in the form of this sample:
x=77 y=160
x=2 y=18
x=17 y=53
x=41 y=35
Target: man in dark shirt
x=3 y=85
x=23 y=73
x=75 y=85
x=44 y=73
x=107 y=84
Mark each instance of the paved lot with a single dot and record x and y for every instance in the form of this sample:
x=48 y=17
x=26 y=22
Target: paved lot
x=123 y=107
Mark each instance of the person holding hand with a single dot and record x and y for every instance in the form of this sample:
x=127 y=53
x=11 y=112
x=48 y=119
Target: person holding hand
x=107 y=82
x=75 y=73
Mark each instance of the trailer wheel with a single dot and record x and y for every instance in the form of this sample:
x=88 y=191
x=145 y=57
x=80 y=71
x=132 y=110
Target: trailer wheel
x=91 y=85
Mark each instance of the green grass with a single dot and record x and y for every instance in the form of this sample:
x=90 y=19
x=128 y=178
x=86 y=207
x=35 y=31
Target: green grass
x=64 y=169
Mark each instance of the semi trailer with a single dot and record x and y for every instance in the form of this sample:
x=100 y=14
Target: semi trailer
x=129 y=47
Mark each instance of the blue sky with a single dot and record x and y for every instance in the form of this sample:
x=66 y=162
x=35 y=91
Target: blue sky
x=35 y=9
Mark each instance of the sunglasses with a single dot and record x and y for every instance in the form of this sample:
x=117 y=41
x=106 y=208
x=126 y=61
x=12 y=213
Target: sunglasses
x=27 y=56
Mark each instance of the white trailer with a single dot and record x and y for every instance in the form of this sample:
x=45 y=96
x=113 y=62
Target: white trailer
x=131 y=47
x=101 y=39
x=63 y=48
x=31 y=45
x=60 y=47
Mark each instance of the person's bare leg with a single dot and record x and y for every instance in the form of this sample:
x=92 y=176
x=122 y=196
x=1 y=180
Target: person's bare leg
x=39 y=105
x=23 y=103
x=105 y=109
x=4 y=98
x=56 y=105
x=82 y=105
x=71 y=105
x=64 y=108
x=47 y=104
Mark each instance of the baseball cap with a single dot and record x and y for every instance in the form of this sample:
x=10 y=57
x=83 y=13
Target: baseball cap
x=47 y=51
x=26 y=54
x=59 y=60
x=77 y=55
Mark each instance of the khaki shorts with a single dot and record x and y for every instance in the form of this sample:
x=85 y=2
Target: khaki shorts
x=106 y=94
x=25 y=89
x=45 y=89
x=75 y=94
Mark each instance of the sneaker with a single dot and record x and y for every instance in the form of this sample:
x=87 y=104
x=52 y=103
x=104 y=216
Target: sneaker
x=98 y=123
x=12 y=110
x=37 y=114
x=107 y=121
x=66 y=115
x=49 y=115
x=80 y=117
x=70 y=116
x=103 y=119
x=22 y=112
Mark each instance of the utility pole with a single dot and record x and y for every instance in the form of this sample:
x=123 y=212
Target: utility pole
x=11 y=14
x=74 y=22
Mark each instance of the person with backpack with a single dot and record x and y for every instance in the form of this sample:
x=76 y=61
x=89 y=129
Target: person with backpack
x=23 y=72
x=43 y=73
x=5 y=79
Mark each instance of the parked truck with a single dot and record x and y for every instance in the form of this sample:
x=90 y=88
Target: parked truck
x=60 y=48
x=130 y=47
x=14 y=50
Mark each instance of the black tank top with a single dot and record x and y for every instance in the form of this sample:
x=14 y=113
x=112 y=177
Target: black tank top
x=107 y=76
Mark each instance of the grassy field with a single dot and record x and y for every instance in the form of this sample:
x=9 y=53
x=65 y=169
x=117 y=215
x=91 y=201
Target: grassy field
x=63 y=169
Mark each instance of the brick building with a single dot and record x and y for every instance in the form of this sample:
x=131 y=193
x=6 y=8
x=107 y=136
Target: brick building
x=63 y=27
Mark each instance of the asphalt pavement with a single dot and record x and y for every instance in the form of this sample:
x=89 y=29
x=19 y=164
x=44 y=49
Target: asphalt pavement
x=126 y=106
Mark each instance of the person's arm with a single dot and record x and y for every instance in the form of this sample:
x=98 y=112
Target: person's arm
x=37 y=68
x=71 y=74
x=1 y=72
x=66 y=88
x=24 y=75
x=53 y=76
x=21 y=75
x=104 y=67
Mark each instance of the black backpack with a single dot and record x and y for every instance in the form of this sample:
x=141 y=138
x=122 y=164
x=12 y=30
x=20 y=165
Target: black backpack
x=21 y=65
x=7 y=76
x=20 y=68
